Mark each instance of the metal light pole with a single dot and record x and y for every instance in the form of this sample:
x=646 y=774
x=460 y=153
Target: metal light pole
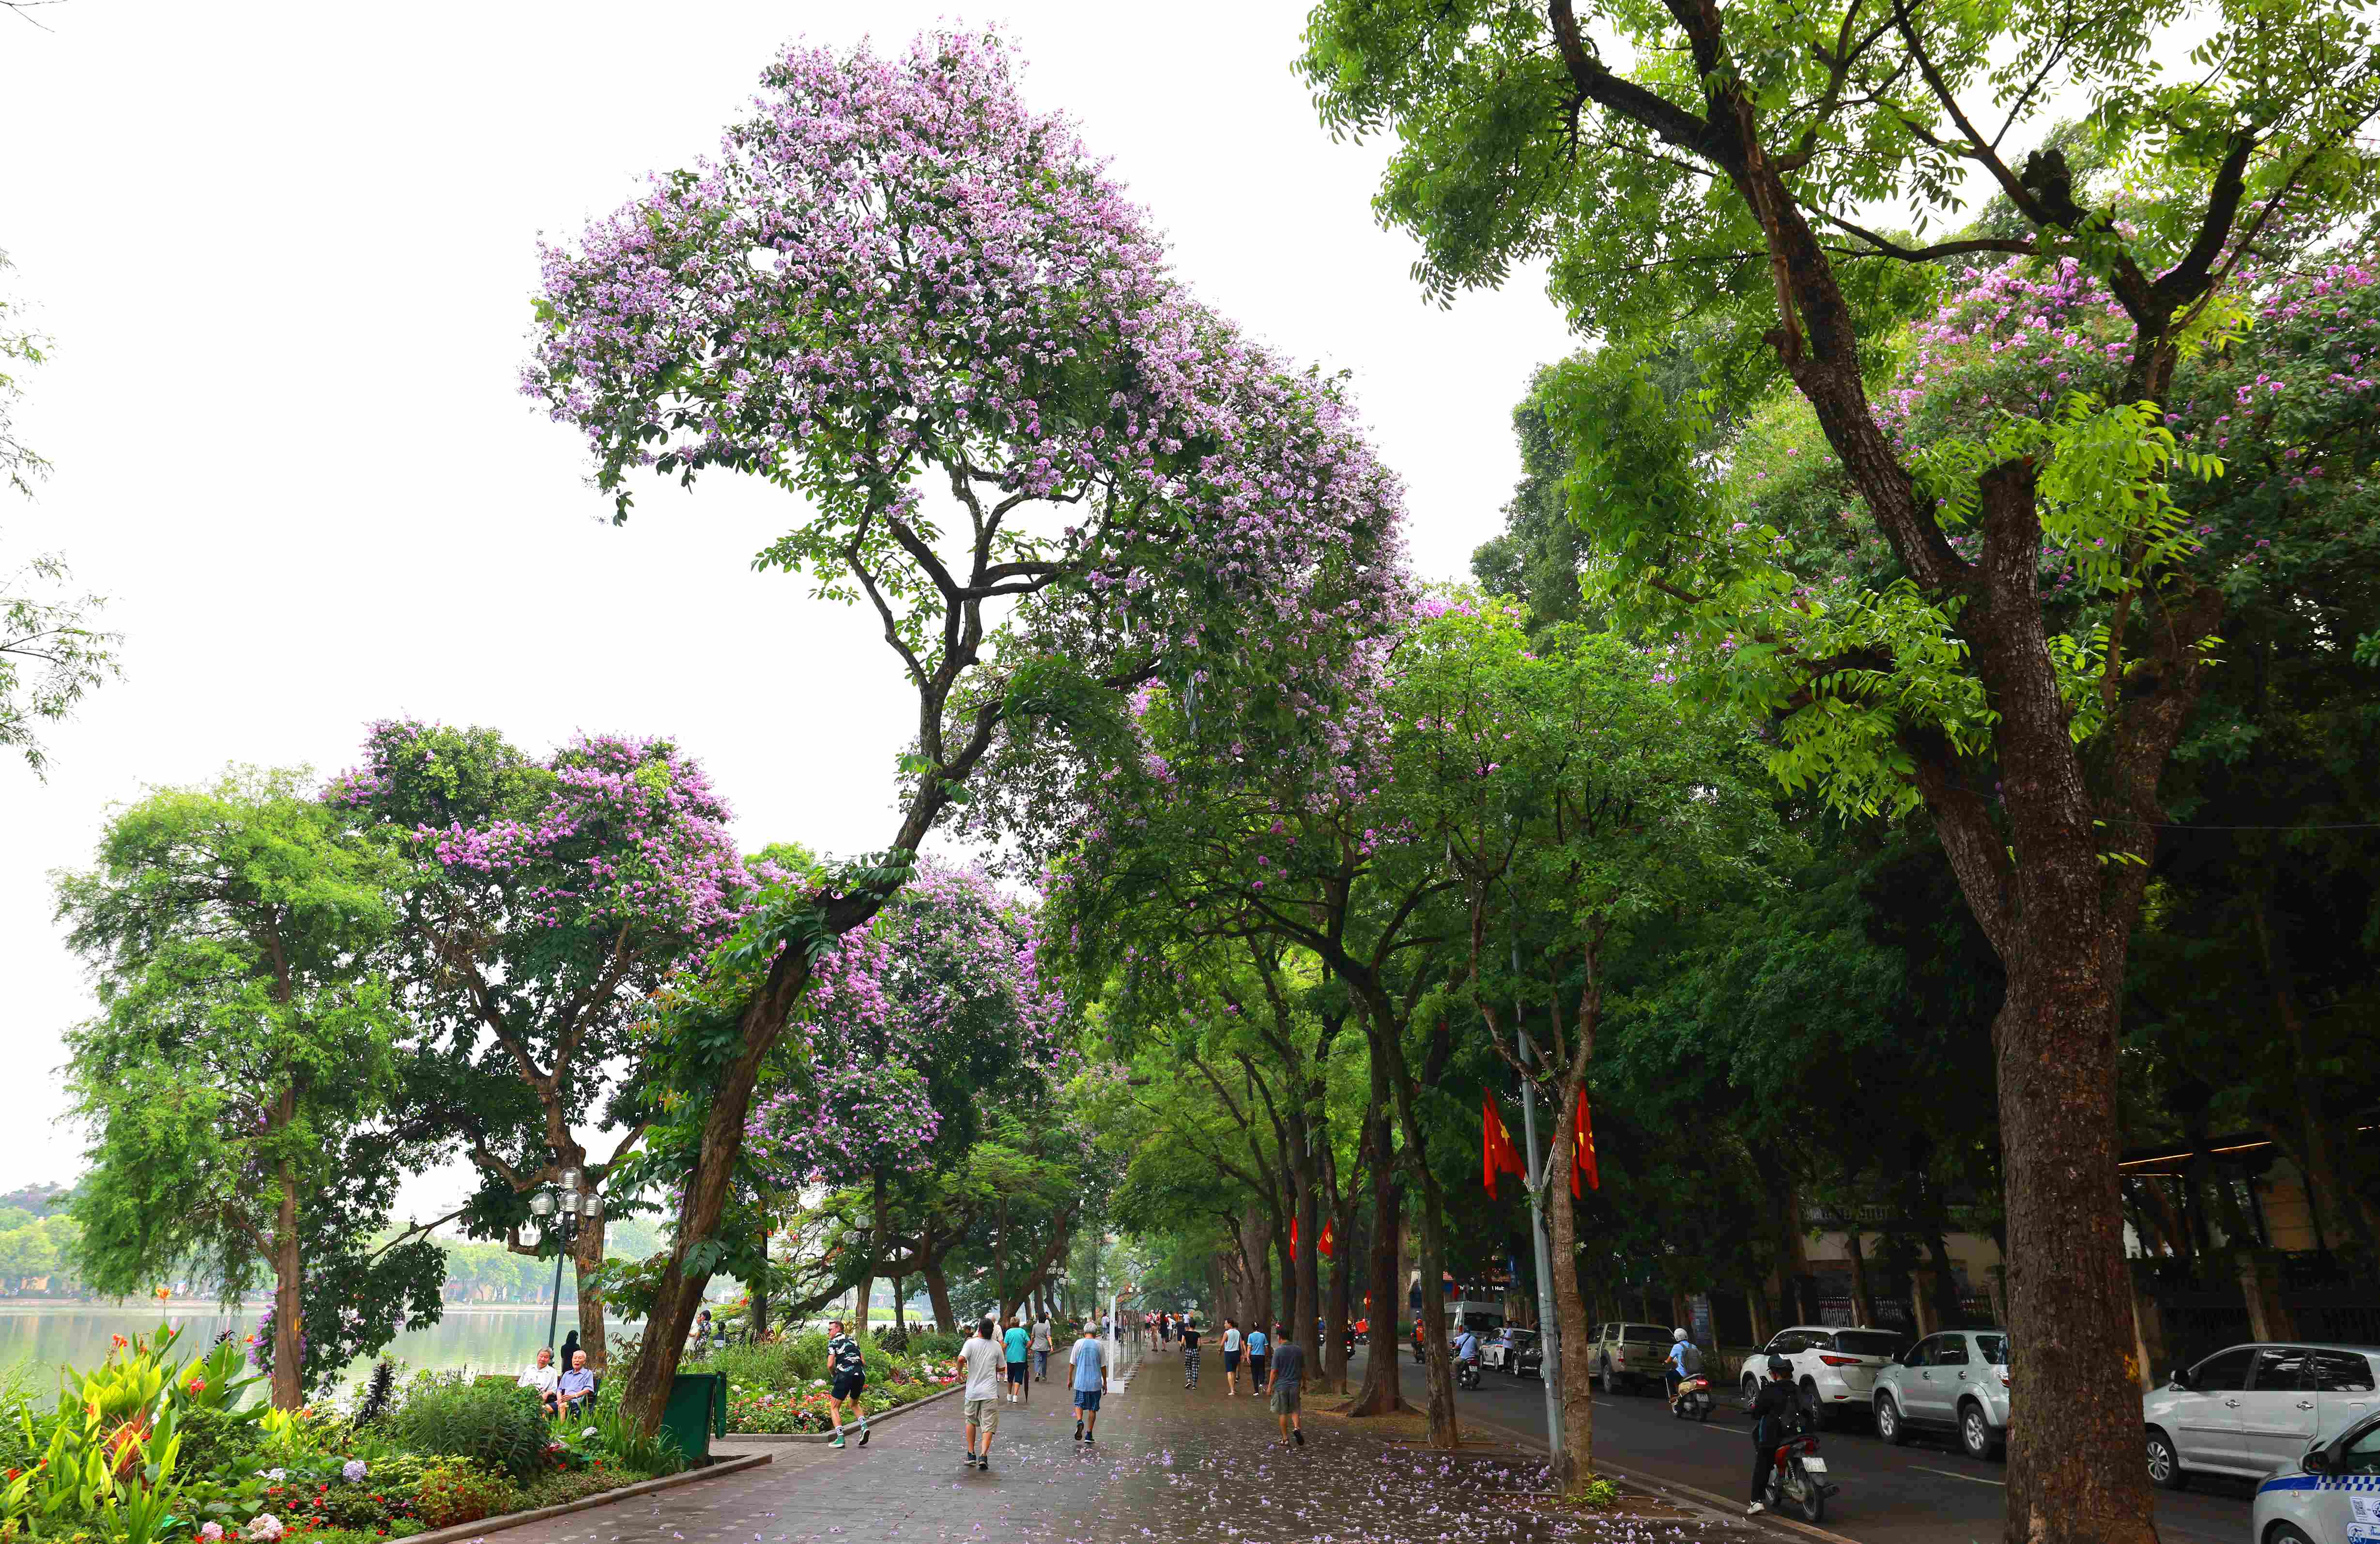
x=1548 y=1322
x=557 y=1211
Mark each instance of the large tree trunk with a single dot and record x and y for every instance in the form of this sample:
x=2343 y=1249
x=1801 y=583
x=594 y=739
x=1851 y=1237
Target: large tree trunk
x=938 y=1292
x=1381 y=1394
x=1332 y=1352
x=587 y=1260
x=289 y=1299
x=1437 y=1364
x=1575 y=1464
x=703 y=1208
x=1258 y=1232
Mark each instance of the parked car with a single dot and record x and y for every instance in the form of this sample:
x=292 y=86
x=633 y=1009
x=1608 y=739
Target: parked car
x=1529 y=1358
x=2252 y=1410
x=2330 y=1494
x=1629 y=1356
x=1958 y=1381
x=1502 y=1350
x=1833 y=1369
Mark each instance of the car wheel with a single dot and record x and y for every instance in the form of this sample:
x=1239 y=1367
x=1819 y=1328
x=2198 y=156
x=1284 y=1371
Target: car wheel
x=1751 y=1390
x=1976 y=1433
x=1813 y=1411
x=2165 y=1465
x=1610 y=1383
x=2285 y=1533
x=1889 y=1424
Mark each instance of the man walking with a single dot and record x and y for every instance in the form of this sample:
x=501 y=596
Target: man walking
x=1089 y=1360
x=848 y=1367
x=985 y=1363
x=1189 y=1353
x=1288 y=1380
x=1258 y=1345
x=1041 y=1348
x=1232 y=1360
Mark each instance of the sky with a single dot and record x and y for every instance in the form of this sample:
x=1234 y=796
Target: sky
x=284 y=255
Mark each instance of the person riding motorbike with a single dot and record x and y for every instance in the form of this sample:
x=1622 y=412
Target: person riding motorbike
x=1467 y=1350
x=1775 y=1416
x=1674 y=1371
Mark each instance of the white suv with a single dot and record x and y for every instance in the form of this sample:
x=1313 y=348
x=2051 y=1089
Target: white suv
x=1831 y=1367
x=1959 y=1380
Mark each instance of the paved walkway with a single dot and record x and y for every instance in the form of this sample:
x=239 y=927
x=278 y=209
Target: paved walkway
x=1170 y=1465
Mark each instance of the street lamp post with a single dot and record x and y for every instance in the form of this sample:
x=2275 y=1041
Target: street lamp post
x=558 y=1210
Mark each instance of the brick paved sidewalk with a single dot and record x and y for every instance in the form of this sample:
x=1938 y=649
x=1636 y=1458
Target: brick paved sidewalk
x=1170 y=1466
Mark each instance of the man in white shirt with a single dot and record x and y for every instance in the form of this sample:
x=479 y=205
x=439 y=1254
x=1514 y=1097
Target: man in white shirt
x=987 y=1368
x=542 y=1376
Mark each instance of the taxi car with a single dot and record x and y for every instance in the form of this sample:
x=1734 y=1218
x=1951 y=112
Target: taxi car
x=2330 y=1495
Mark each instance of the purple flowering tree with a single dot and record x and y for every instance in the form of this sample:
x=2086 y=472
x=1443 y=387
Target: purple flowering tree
x=910 y=1026
x=923 y=310
x=552 y=897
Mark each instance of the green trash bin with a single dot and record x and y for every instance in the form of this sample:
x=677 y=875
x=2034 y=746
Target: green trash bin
x=697 y=1411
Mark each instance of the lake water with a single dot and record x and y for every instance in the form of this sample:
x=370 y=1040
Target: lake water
x=34 y=1341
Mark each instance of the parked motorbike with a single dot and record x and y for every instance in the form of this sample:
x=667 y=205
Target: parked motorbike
x=1467 y=1375
x=1694 y=1401
x=1800 y=1477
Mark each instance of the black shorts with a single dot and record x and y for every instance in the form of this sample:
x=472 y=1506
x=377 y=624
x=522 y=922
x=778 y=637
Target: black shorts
x=1016 y=1372
x=848 y=1385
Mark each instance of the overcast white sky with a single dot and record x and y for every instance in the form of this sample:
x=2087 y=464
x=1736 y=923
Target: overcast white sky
x=284 y=253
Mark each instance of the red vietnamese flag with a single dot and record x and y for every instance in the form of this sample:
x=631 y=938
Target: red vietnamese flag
x=1495 y=1147
x=1582 y=1148
x=1329 y=1242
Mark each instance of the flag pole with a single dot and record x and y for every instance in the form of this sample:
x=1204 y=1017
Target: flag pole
x=1549 y=1321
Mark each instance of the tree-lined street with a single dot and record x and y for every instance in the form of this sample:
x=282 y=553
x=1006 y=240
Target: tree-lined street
x=1869 y=874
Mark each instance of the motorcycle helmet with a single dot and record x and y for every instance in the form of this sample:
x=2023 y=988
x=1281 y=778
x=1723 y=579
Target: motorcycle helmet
x=1677 y=1334
x=1779 y=1367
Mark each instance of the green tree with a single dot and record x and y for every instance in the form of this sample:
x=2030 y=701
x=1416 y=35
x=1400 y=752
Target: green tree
x=244 y=1039
x=50 y=651
x=1720 y=162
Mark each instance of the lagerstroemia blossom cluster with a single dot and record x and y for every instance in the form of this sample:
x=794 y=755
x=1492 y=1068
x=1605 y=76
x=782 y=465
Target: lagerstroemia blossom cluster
x=896 y=280
x=621 y=834
x=943 y=995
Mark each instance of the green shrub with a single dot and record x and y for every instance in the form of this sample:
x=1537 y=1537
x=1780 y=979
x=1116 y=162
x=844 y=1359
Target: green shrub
x=554 y=1489
x=503 y=1428
x=213 y=1437
x=934 y=1343
x=895 y=1340
x=453 y=1493
x=630 y=1448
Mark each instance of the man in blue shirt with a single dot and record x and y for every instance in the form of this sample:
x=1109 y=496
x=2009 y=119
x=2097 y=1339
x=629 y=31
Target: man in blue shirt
x=1466 y=1346
x=1685 y=1358
x=1089 y=1360
x=1260 y=1346
x=576 y=1386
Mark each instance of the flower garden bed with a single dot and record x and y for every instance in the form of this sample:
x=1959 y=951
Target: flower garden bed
x=779 y=1389
x=152 y=1448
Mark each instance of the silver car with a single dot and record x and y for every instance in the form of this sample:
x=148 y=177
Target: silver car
x=2331 y=1495
x=1956 y=1380
x=2252 y=1410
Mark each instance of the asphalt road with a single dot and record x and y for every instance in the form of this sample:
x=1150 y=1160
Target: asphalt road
x=1928 y=1493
